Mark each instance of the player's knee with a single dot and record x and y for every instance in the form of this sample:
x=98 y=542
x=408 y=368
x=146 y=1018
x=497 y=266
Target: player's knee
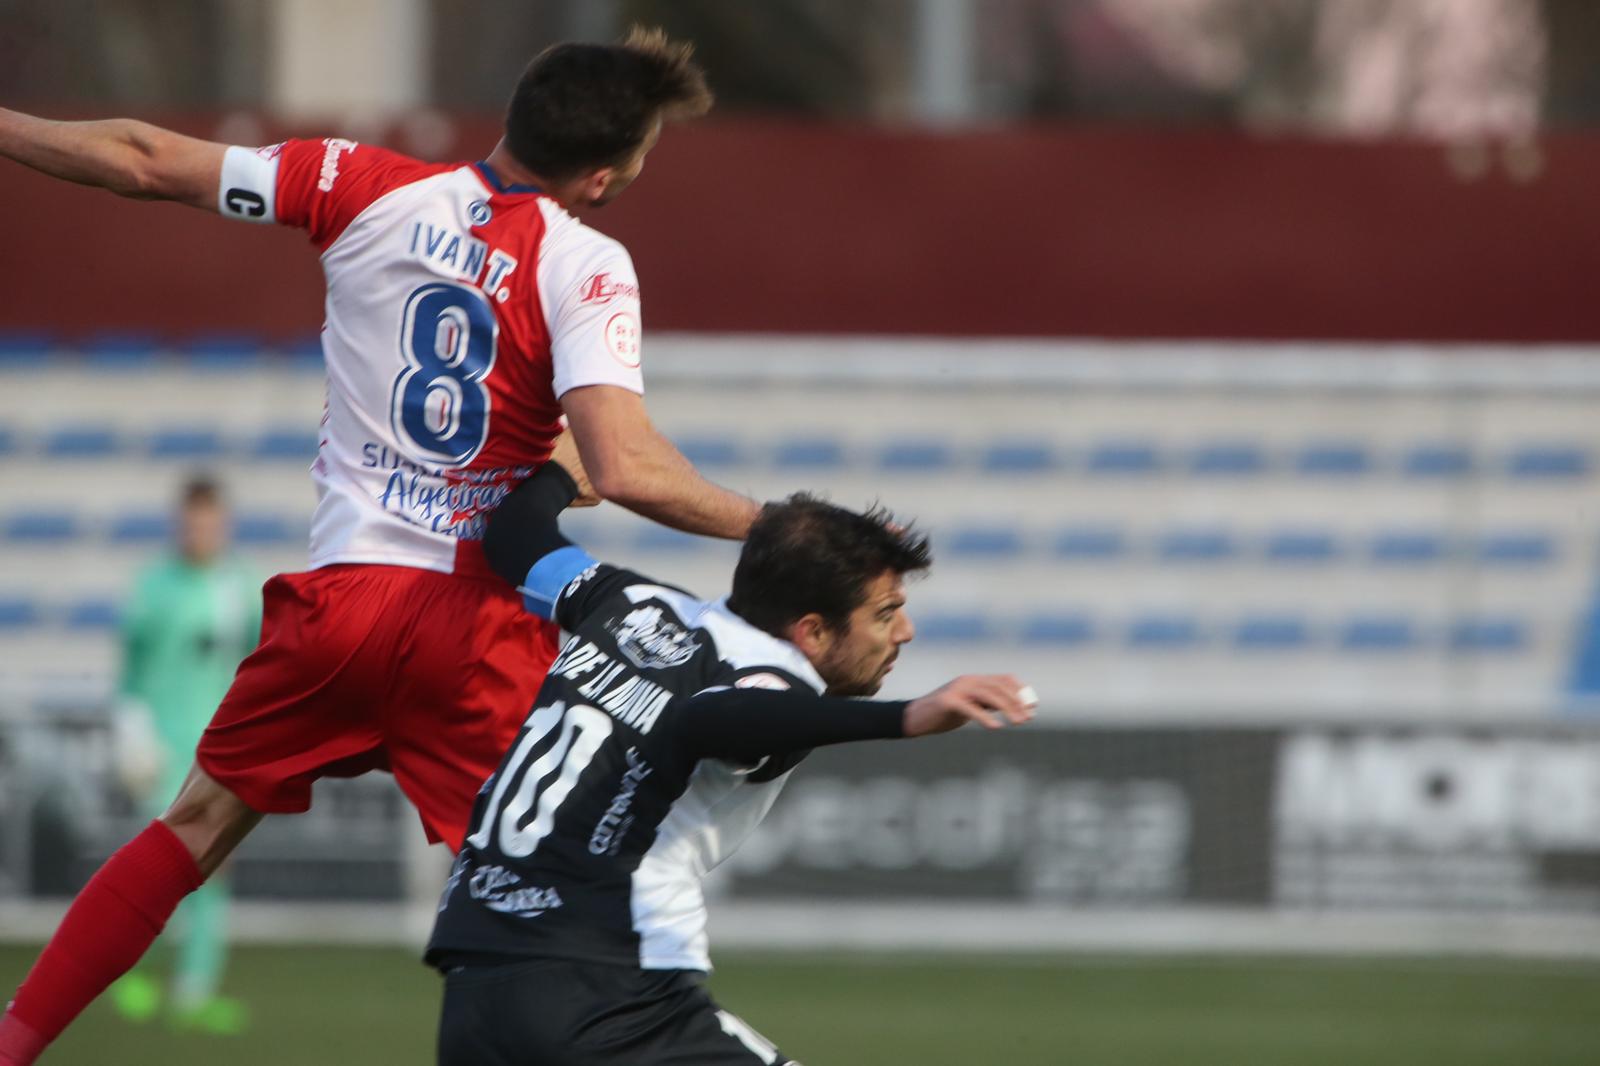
x=209 y=819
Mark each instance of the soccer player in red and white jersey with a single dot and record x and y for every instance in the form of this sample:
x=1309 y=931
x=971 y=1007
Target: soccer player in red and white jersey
x=467 y=312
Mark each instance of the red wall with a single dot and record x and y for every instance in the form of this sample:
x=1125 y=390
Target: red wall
x=1042 y=231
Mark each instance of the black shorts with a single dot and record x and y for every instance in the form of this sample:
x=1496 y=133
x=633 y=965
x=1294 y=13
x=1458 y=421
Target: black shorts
x=551 y=1012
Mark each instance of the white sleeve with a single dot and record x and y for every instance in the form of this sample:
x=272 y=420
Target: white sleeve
x=249 y=187
x=591 y=304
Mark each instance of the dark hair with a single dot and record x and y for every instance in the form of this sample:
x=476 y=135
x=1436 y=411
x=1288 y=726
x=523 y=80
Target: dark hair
x=806 y=556
x=201 y=490
x=583 y=106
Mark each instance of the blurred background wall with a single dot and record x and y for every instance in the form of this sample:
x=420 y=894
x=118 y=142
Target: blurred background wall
x=1237 y=353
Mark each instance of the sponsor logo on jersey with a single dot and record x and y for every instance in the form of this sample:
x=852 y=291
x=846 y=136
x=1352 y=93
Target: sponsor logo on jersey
x=652 y=643
x=599 y=289
x=622 y=338
x=335 y=147
x=577 y=582
x=501 y=890
x=614 y=824
x=772 y=681
x=270 y=151
x=478 y=213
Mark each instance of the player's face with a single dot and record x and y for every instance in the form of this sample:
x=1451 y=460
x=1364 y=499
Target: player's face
x=623 y=176
x=863 y=653
x=202 y=532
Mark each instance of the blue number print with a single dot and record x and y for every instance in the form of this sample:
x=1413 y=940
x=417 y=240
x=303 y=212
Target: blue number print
x=440 y=405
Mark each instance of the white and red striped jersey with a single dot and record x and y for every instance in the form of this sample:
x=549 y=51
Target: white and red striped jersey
x=459 y=310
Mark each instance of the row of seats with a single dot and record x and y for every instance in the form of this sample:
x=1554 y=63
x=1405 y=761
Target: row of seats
x=1266 y=632
x=1084 y=543
x=198 y=443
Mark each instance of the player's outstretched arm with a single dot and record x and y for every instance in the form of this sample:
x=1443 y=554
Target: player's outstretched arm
x=129 y=157
x=632 y=464
x=991 y=700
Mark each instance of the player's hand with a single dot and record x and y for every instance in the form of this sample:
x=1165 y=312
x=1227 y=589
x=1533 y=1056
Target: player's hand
x=991 y=700
x=565 y=454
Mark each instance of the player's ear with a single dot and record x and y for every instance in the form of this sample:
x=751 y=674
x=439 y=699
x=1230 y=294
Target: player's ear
x=811 y=634
x=595 y=184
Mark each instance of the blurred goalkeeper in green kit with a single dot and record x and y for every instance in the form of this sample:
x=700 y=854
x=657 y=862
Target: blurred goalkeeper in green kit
x=193 y=616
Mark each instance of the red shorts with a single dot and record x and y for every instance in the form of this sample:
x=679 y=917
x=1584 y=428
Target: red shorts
x=365 y=667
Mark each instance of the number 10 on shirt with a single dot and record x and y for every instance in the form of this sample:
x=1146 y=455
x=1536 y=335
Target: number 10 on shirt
x=583 y=730
x=440 y=404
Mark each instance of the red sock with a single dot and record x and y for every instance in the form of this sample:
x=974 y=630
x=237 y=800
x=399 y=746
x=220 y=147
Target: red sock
x=109 y=926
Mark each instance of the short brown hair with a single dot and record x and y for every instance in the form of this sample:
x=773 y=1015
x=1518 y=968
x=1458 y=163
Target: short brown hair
x=583 y=106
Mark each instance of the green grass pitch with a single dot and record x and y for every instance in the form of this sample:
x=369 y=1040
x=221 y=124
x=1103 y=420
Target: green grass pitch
x=353 y=1007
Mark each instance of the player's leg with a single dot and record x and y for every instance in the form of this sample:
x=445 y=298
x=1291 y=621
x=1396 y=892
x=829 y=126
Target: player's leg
x=122 y=909
x=704 y=1034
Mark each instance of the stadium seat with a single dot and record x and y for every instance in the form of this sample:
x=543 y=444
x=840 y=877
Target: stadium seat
x=711 y=451
x=1018 y=457
x=1378 y=633
x=17 y=612
x=1196 y=546
x=953 y=628
x=113 y=350
x=95 y=614
x=1158 y=632
x=222 y=351
x=1227 y=458
x=983 y=543
x=915 y=455
x=262 y=530
x=1300 y=547
x=303 y=351
x=288 y=443
x=141 y=528
x=1337 y=458
x=815 y=454
x=1407 y=549
x=1438 y=460
x=1058 y=629
x=1542 y=461
x=1271 y=633
x=42 y=527
x=1117 y=458
x=8 y=442
x=190 y=444
x=25 y=347
x=1515 y=549
x=1090 y=543
x=82 y=442
x=1488 y=635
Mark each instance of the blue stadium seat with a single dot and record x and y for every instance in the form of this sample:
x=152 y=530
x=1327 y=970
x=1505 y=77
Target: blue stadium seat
x=17 y=612
x=983 y=543
x=1516 y=549
x=1333 y=457
x=809 y=454
x=82 y=442
x=1058 y=629
x=289 y=443
x=141 y=528
x=42 y=527
x=1438 y=460
x=1159 y=632
x=1117 y=458
x=1541 y=461
x=711 y=451
x=915 y=455
x=265 y=530
x=1090 y=543
x=1378 y=633
x=1488 y=635
x=1018 y=457
x=223 y=351
x=94 y=614
x=1301 y=547
x=1234 y=459
x=188 y=444
x=26 y=347
x=953 y=628
x=305 y=351
x=1271 y=632
x=1400 y=548
x=1196 y=546
x=8 y=442
x=116 y=350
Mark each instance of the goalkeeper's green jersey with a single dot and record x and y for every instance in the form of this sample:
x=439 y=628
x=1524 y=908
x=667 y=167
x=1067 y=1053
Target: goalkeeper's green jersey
x=185 y=629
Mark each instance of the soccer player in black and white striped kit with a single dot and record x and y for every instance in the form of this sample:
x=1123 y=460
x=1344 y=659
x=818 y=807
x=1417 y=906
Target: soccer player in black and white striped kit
x=572 y=930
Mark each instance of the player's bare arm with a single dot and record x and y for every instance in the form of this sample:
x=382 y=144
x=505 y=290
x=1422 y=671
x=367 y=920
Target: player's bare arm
x=630 y=463
x=128 y=157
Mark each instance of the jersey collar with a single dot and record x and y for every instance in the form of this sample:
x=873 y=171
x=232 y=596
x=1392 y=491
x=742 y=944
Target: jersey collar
x=499 y=186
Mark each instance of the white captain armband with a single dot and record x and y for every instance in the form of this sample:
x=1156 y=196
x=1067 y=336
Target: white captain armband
x=248 y=190
x=549 y=577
